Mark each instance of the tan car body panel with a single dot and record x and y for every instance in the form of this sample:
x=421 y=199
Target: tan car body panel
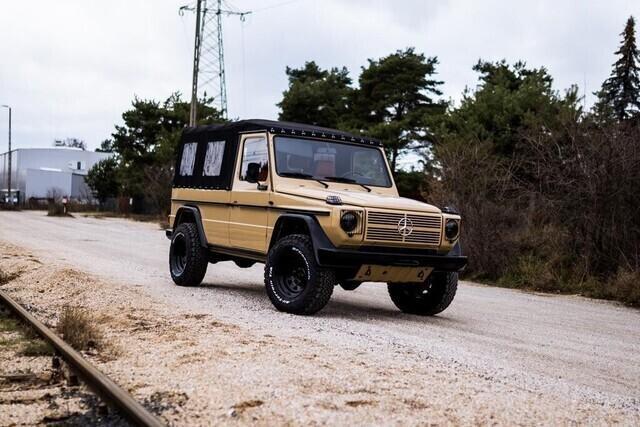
x=244 y=218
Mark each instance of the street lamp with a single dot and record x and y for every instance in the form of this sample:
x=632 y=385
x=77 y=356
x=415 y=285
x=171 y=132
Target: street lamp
x=9 y=180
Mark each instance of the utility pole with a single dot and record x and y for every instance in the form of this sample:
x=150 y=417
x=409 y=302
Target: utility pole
x=9 y=174
x=208 y=55
x=196 y=63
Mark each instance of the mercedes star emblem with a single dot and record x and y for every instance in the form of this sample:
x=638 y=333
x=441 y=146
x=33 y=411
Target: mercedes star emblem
x=405 y=227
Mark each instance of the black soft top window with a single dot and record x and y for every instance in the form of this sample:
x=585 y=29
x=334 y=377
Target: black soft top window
x=206 y=160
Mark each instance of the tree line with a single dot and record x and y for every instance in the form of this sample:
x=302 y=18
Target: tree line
x=547 y=190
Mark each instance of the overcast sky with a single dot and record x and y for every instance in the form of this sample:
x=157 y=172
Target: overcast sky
x=70 y=68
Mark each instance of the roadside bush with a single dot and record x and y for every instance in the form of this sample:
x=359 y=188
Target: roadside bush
x=55 y=209
x=9 y=207
x=79 y=329
x=478 y=185
x=54 y=202
x=562 y=215
x=624 y=286
x=590 y=177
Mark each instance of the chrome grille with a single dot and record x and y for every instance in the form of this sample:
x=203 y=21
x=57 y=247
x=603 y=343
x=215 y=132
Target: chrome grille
x=383 y=227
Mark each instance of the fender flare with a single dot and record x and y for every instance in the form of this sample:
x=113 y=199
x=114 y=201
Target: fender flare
x=318 y=237
x=197 y=217
x=457 y=250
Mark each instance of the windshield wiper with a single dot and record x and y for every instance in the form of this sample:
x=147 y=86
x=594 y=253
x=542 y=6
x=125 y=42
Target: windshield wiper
x=347 y=181
x=303 y=176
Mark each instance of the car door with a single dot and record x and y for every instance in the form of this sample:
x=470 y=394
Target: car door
x=250 y=195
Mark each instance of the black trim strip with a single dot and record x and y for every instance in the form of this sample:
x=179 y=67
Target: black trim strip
x=240 y=253
x=305 y=211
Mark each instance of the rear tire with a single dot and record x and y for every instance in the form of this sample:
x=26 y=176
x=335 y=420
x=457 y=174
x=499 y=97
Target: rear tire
x=295 y=283
x=188 y=260
x=431 y=297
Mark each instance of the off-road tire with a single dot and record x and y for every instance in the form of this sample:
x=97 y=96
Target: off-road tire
x=294 y=282
x=428 y=298
x=187 y=258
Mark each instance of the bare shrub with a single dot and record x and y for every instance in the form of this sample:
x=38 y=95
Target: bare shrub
x=590 y=177
x=79 y=329
x=479 y=185
x=54 y=202
x=157 y=191
x=625 y=287
x=562 y=214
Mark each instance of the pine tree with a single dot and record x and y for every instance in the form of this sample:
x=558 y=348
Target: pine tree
x=619 y=97
x=316 y=96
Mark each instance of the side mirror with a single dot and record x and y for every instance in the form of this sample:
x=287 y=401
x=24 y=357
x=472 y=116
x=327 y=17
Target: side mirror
x=253 y=172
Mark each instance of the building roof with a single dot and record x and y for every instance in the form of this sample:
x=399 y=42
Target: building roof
x=284 y=128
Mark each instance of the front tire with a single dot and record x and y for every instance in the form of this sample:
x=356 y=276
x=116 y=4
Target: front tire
x=187 y=258
x=295 y=283
x=431 y=297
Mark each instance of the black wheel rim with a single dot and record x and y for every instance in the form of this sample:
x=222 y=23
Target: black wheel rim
x=291 y=275
x=178 y=254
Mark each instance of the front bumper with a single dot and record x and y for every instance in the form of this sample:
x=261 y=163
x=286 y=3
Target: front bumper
x=335 y=257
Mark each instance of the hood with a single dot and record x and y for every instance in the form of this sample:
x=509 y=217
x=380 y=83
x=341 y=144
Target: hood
x=365 y=200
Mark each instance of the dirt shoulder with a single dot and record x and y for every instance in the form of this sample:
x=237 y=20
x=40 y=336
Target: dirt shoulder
x=191 y=368
x=35 y=387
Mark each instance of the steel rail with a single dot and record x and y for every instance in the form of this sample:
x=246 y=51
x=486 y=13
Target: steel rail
x=96 y=380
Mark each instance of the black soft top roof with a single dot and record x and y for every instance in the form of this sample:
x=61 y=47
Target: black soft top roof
x=221 y=142
x=284 y=128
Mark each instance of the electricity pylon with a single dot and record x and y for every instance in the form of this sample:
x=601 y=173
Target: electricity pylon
x=208 y=55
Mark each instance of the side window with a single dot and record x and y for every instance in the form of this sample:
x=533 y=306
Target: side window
x=213 y=158
x=255 y=155
x=188 y=159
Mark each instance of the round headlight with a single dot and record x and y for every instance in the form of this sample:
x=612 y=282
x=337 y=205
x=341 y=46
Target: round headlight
x=452 y=229
x=349 y=221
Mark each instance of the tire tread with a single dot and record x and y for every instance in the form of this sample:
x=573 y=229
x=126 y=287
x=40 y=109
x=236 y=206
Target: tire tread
x=197 y=263
x=324 y=282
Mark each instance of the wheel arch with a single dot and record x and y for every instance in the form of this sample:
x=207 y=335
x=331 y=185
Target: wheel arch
x=189 y=213
x=297 y=223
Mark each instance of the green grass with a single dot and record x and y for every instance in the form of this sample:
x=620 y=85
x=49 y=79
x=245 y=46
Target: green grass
x=37 y=347
x=30 y=344
x=8 y=324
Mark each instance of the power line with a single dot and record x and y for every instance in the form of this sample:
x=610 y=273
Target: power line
x=273 y=6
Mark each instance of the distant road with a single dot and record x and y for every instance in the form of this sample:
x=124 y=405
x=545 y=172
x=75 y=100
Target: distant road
x=562 y=347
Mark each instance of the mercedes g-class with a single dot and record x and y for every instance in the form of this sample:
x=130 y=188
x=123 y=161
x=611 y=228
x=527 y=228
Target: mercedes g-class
x=317 y=206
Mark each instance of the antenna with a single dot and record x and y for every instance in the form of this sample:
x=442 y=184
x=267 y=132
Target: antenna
x=208 y=55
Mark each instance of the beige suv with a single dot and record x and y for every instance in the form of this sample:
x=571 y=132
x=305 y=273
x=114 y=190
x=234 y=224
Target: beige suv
x=317 y=206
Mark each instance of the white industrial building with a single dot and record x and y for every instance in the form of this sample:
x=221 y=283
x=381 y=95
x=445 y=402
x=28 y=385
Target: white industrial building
x=41 y=172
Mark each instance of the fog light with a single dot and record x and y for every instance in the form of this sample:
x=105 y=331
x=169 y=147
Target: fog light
x=349 y=221
x=452 y=229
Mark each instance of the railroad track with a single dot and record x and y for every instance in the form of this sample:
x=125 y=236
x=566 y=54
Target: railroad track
x=96 y=380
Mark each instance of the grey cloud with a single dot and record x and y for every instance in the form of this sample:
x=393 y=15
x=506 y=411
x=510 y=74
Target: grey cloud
x=70 y=68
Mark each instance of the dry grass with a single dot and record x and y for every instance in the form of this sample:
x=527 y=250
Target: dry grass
x=7 y=277
x=8 y=207
x=57 y=209
x=624 y=286
x=79 y=329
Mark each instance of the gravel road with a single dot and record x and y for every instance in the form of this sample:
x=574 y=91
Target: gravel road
x=565 y=350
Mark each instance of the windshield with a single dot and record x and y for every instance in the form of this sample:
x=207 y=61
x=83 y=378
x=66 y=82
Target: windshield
x=330 y=161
